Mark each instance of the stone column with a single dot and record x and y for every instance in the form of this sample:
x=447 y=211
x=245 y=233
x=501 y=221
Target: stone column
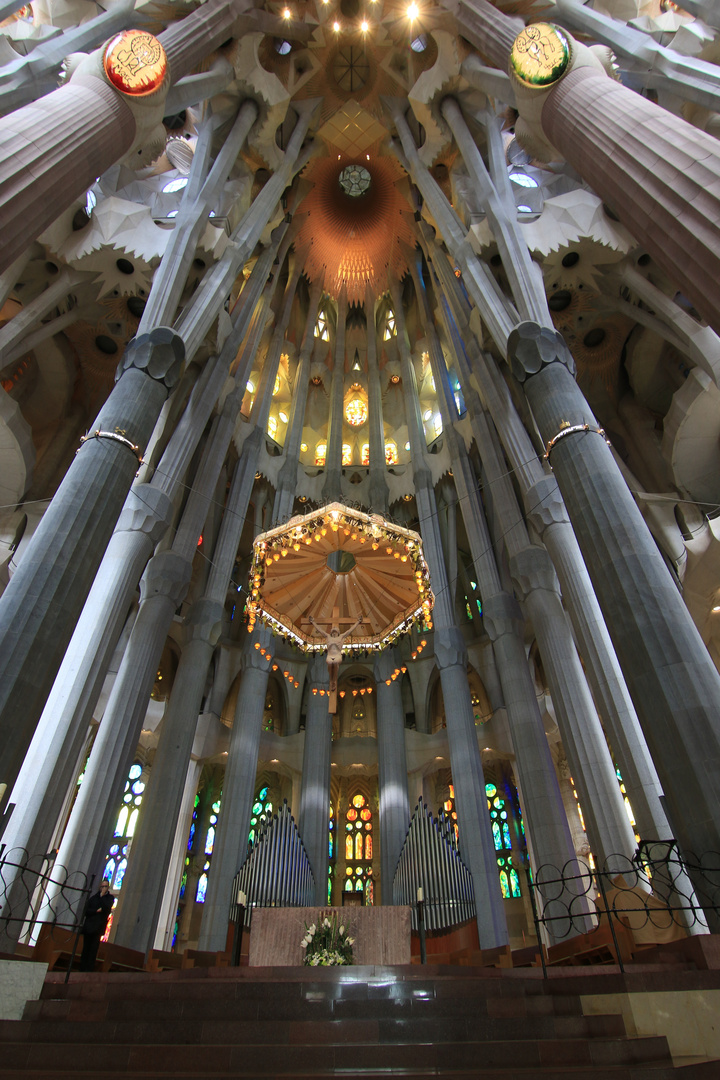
x=675 y=685
x=392 y=769
x=315 y=791
x=378 y=468
x=546 y=511
x=231 y=840
x=163 y=587
x=332 y=487
x=477 y=847
x=169 y=907
x=46 y=773
x=287 y=477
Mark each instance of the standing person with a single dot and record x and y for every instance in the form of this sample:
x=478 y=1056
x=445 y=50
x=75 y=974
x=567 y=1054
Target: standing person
x=97 y=913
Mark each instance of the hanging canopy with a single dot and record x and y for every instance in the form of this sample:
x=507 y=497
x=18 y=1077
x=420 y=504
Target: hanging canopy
x=339 y=565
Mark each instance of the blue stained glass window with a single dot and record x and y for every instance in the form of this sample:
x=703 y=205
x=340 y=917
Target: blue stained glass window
x=210 y=840
x=330 y=846
x=201 y=889
x=121 y=822
x=191 y=837
x=506 y=835
x=496 y=836
x=109 y=870
x=135 y=772
x=515 y=882
x=114 y=849
x=262 y=794
x=122 y=867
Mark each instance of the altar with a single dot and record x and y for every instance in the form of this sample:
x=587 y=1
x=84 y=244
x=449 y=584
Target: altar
x=381 y=934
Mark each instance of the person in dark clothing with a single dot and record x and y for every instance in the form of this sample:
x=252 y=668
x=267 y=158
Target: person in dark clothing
x=97 y=913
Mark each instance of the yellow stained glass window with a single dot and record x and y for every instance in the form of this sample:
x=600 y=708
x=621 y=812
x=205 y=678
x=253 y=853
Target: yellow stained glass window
x=276 y=387
x=272 y=426
x=391 y=453
x=346 y=454
x=356 y=412
x=320 y=453
x=358 y=801
x=365 y=454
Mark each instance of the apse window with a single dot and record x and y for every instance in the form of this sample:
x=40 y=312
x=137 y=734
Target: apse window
x=356 y=412
x=419 y=44
x=320 y=453
x=175 y=185
x=390 y=329
x=321 y=327
x=354 y=180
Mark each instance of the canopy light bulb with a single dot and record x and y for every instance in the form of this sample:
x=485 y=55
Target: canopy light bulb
x=412 y=11
x=286 y=13
x=336 y=26
x=364 y=26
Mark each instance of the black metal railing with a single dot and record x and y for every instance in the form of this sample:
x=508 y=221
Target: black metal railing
x=656 y=895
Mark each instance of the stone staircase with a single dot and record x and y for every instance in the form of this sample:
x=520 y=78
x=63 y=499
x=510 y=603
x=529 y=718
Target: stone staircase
x=415 y=1022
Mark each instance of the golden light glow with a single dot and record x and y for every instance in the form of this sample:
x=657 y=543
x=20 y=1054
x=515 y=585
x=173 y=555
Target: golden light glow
x=413 y=11
x=287 y=13
x=336 y=26
x=364 y=26
x=135 y=62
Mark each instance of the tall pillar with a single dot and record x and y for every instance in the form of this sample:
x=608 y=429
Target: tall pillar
x=546 y=511
x=332 y=487
x=549 y=835
x=477 y=848
x=287 y=477
x=163 y=587
x=674 y=684
x=315 y=791
x=378 y=480
x=231 y=839
x=46 y=773
x=392 y=770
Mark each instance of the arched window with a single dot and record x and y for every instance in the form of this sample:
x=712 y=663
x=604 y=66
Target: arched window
x=365 y=454
x=390 y=330
x=320 y=453
x=116 y=858
x=501 y=815
x=346 y=454
x=391 y=452
x=359 y=848
x=272 y=426
x=207 y=849
x=356 y=412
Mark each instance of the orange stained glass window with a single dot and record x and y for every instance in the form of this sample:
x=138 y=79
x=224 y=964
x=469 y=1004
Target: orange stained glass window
x=346 y=454
x=368 y=846
x=365 y=454
x=365 y=814
x=391 y=453
x=358 y=846
x=320 y=453
x=349 y=846
x=352 y=814
x=358 y=801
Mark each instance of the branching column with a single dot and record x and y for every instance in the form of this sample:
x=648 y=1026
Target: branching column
x=332 y=488
x=378 y=479
x=314 y=812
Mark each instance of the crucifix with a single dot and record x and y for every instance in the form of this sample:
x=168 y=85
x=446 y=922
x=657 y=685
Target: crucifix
x=334 y=640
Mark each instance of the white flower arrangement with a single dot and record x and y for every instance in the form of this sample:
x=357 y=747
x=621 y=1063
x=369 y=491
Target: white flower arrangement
x=327 y=945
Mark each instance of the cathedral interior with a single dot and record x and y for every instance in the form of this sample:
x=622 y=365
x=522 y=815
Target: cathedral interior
x=263 y=258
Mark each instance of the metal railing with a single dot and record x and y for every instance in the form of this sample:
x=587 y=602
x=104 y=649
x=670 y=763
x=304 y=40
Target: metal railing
x=657 y=894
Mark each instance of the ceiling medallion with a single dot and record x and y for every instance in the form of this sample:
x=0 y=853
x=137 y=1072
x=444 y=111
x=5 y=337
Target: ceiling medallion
x=351 y=68
x=354 y=180
x=540 y=54
x=135 y=62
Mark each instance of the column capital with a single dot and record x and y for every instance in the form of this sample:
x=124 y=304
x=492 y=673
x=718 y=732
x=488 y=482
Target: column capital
x=159 y=354
x=501 y=615
x=449 y=648
x=204 y=622
x=385 y=664
x=532 y=569
x=167 y=574
x=318 y=674
x=532 y=347
x=147 y=510
x=544 y=505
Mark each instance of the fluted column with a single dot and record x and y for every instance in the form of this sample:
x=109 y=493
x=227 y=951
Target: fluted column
x=47 y=771
x=378 y=481
x=332 y=487
x=477 y=846
x=231 y=840
x=287 y=477
x=392 y=769
x=315 y=785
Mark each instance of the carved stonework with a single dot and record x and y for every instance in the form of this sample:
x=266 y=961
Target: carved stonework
x=532 y=569
x=501 y=615
x=160 y=354
x=167 y=574
x=545 y=505
x=532 y=347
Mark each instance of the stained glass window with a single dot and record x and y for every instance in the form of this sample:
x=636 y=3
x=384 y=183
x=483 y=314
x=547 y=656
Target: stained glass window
x=320 y=453
x=365 y=454
x=354 y=180
x=359 y=848
x=356 y=411
x=276 y=387
x=321 y=327
x=346 y=454
x=261 y=814
x=391 y=453
x=390 y=329
x=116 y=858
x=208 y=852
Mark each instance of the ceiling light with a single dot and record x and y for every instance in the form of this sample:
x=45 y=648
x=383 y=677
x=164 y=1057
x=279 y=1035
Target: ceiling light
x=364 y=26
x=286 y=13
x=412 y=11
x=716 y=609
x=336 y=26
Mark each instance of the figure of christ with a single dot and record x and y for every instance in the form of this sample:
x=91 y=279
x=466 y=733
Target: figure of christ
x=334 y=648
